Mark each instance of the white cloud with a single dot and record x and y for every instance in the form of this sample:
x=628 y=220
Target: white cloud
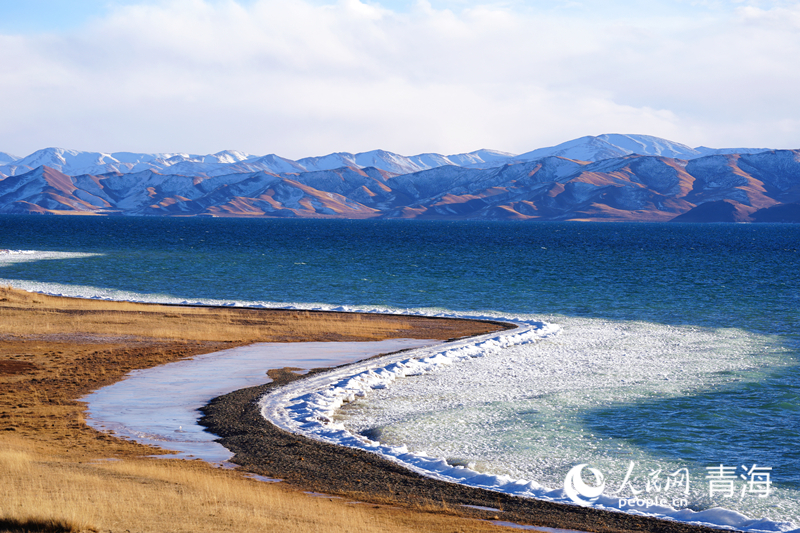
x=300 y=78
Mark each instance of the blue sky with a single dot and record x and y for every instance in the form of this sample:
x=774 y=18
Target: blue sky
x=308 y=77
x=34 y=16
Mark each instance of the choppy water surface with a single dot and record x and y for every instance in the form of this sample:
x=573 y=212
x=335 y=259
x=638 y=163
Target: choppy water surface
x=679 y=345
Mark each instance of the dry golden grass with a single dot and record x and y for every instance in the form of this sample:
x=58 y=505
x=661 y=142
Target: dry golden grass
x=46 y=315
x=59 y=475
x=161 y=495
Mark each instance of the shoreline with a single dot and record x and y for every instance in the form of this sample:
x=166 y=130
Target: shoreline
x=87 y=344
x=262 y=448
x=59 y=474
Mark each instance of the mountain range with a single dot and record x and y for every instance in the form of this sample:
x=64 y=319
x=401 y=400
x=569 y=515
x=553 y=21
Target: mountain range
x=609 y=177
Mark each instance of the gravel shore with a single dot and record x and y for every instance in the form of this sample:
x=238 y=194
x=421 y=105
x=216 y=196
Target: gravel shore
x=263 y=449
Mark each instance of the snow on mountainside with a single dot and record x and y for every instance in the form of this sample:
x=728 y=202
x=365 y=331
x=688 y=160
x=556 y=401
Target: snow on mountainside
x=481 y=159
x=7 y=158
x=616 y=145
x=74 y=163
x=723 y=187
x=608 y=177
x=399 y=164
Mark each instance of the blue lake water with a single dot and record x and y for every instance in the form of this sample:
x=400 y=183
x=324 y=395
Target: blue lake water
x=679 y=348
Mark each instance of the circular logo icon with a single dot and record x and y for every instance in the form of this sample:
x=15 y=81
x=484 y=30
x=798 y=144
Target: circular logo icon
x=578 y=491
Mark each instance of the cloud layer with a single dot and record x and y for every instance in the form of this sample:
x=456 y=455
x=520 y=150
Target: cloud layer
x=303 y=78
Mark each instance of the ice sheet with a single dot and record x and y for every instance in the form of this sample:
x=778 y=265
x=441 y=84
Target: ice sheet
x=309 y=407
x=159 y=406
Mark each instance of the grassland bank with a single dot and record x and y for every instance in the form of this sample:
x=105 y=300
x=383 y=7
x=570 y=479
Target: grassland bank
x=58 y=474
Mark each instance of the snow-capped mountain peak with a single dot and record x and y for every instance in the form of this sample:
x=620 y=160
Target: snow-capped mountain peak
x=6 y=158
x=649 y=145
x=591 y=149
x=633 y=187
x=228 y=156
x=611 y=145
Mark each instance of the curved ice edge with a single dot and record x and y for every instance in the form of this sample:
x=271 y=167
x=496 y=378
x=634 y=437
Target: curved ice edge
x=307 y=407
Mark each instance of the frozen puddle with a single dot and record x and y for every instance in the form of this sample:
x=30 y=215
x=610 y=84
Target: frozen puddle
x=482 y=508
x=159 y=406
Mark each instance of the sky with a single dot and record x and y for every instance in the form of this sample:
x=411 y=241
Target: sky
x=303 y=78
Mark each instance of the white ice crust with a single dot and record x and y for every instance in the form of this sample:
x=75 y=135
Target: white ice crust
x=26 y=256
x=308 y=407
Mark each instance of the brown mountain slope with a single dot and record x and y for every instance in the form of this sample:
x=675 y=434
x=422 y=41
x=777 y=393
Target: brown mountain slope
x=732 y=187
